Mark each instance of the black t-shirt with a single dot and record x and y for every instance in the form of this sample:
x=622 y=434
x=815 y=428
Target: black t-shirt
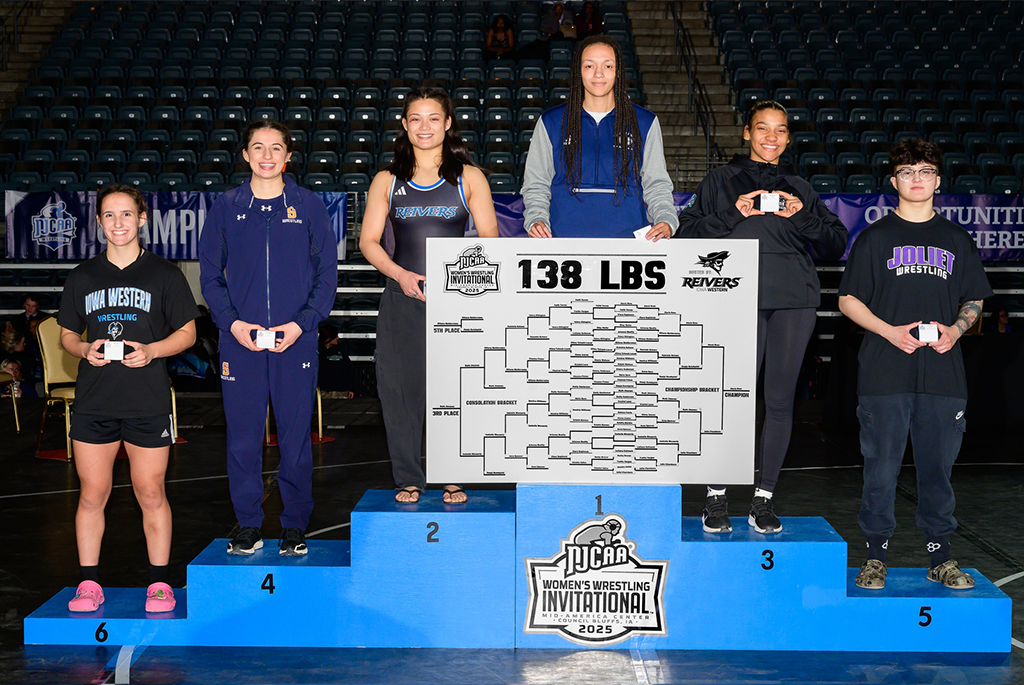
x=145 y=302
x=906 y=272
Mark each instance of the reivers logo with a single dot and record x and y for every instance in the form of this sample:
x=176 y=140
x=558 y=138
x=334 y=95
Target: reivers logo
x=714 y=261
x=699 y=279
x=596 y=590
x=54 y=226
x=471 y=274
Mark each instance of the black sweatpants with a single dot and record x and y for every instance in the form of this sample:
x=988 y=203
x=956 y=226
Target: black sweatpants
x=936 y=425
x=402 y=381
x=782 y=336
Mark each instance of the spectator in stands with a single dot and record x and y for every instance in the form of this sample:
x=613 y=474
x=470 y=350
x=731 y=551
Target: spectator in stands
x=727 y=205
x=566 y=192
x=558 y=23
x=268 y=268
x=17 y=385
x=124 y=397
x=588 y=23
x=1001 y=322
x=15 y=346
x=501 y=40
x=22 y=322
x=431 y=169
x=910 y=268
x=335 y=377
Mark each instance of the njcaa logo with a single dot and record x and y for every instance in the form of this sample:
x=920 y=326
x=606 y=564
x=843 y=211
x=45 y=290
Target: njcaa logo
x=597 y=589
x=714 y=261
x=471 y=274
x=54 y=226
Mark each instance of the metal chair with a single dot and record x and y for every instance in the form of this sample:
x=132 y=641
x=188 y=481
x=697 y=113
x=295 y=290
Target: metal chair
x=8 y=378
x=60 y=373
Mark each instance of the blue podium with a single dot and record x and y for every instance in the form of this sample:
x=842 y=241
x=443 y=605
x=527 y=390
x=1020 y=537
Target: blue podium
x=547 y=566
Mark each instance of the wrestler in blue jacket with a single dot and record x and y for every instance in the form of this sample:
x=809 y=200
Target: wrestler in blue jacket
x=268 y=260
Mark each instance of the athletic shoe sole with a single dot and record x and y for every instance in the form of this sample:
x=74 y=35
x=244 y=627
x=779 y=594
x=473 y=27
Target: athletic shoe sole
x=294 y=552
x=720 y=531
x=232 y=549
x=764 y=531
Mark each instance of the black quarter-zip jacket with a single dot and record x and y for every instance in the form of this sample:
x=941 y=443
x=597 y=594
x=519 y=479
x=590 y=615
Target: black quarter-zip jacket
x=788 y=279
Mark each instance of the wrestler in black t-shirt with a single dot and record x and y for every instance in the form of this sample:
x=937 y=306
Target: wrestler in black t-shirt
x=906 y=272
x=915 y=283
x=144 y=302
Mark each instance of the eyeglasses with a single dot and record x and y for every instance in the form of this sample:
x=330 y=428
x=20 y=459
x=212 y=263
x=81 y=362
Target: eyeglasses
x=925 y=174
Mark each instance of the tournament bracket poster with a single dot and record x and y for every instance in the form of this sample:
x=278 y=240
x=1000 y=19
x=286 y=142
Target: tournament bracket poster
x=591 y=360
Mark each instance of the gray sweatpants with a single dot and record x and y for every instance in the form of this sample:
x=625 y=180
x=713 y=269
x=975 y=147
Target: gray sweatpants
x=402 y=381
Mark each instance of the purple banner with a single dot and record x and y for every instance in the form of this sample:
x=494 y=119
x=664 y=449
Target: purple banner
x=62 y=225
x=996 y=222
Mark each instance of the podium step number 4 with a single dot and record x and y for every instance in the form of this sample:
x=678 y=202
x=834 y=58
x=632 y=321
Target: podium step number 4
x=546 y=566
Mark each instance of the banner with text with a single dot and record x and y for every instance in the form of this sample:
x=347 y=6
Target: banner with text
x=62 y=225
x=995 y=221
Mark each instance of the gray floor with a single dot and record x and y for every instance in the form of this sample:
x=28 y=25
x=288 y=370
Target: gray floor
x=37 y=502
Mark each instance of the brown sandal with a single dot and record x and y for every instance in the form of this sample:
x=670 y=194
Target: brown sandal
x=412 y=489
x=450 y=491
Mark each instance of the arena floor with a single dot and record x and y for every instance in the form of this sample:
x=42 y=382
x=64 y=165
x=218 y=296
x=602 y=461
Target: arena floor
x=38 y=499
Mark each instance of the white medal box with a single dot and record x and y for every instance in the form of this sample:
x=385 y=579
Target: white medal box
x=113 y=350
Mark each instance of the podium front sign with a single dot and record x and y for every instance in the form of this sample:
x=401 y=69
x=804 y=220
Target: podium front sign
x=591 y=360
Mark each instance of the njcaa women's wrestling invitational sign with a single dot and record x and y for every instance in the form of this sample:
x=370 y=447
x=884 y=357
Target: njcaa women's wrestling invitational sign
x=597 y=589
x=590 y=360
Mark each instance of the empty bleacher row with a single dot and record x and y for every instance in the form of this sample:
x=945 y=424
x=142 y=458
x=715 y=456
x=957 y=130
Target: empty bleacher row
x=155 y=93
x=857 y=77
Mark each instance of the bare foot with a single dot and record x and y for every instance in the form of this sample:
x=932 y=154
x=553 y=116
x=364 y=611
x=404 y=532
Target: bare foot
x=453 y=494
x=409 y=495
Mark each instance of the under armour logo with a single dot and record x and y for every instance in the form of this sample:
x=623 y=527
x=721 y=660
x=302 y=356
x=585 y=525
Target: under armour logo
x=266 y=208
x=239 y=217
x=305 y=365
x=934 y=547
x=400 y=191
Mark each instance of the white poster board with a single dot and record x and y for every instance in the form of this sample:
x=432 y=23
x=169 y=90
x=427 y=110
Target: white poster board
x=591 y=360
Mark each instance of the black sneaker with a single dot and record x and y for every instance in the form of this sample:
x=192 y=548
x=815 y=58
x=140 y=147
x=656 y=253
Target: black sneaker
x=762 y=518
x=246 y=541
x=293 y=543
x=716 y=515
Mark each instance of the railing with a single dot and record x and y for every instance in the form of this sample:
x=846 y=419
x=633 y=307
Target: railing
x=8 y=37
x=703 y=115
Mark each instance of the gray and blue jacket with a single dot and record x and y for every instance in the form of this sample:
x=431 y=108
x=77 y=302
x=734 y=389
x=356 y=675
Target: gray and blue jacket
x=596 y=210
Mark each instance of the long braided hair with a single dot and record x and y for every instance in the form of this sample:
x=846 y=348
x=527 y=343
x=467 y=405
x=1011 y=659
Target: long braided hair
x=628 y=149
x=454 y=155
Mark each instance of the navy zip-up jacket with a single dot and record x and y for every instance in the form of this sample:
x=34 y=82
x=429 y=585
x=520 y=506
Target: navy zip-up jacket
x=788 y=277
x=279 y=268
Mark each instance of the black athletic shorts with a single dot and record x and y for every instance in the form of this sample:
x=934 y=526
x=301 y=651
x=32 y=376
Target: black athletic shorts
x=148 y=431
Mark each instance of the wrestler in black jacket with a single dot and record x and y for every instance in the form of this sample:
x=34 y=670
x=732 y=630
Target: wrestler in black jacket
x=788 y=278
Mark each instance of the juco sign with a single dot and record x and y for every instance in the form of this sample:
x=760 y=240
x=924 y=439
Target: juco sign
x=597 y=589
x=62 y=225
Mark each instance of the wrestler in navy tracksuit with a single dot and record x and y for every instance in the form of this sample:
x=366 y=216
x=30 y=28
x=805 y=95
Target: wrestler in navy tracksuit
x=280 y=259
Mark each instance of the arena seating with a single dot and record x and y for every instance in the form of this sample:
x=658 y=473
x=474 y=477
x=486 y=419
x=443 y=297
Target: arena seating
x=155 y=93
x=859 y=76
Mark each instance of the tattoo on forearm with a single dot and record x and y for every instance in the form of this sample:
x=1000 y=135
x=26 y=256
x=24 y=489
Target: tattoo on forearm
x=969 y=313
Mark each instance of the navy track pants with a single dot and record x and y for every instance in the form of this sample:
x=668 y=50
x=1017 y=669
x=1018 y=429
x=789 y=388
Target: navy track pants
x=288 y=379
